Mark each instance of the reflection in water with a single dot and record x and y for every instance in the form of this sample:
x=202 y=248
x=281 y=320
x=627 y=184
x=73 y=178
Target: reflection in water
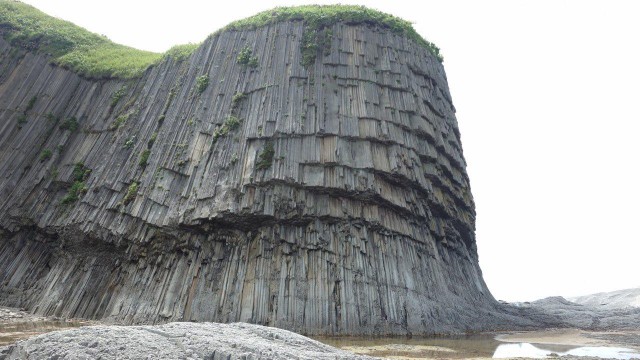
x=542 y=351
x=10 y=333
x=449 y=347
x=460 y=347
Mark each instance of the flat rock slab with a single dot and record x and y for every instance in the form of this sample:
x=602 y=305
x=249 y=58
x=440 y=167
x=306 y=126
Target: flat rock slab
x=174 y=341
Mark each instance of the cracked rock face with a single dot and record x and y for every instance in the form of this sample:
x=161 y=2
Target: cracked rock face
x=330 y=198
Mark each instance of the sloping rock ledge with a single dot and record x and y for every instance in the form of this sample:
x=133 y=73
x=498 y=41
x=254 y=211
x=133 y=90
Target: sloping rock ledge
x=178 y=340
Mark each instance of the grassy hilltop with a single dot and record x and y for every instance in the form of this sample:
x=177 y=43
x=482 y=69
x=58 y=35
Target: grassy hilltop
x=96 y=56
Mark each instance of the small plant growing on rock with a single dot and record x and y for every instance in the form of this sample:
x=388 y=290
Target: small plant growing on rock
x=115 y=98
x=132 y=192
x=80 y=172
x=70 y=124
x=152 y=139
x=129 y=143
x=231 y=123
x=265 y=158
x=119 y=122
x=236 y=99
x=45 y=155
x=245 y=58
x=78 y=188
x=201 y=83
x=144 y=158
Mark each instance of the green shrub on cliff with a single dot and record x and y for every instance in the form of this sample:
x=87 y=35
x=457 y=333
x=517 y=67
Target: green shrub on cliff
x=132 y=192
x=231 y=123
x=245 y=58
x=78 y=188
x=202 y=82
x=144 y=158
x=45 y=155
x=70 y=124
x=265 y=157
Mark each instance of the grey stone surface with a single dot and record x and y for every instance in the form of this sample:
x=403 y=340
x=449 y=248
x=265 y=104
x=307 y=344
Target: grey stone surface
x=175 y=341
x=613 y=300
x=361 y=223
x=558 y=312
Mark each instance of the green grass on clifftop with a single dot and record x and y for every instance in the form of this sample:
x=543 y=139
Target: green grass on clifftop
x=70 y=46
x=320 y=16
x=95 y=56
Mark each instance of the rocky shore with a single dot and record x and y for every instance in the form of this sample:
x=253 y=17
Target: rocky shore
x=553 y=321
x=175 y=341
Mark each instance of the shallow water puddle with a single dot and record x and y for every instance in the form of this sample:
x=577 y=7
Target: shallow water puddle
x=12 y=332
x=449 y=347
x=474 y=346
x=545 y=350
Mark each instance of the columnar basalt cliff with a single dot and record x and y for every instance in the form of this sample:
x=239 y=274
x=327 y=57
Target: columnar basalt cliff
x=314 y=185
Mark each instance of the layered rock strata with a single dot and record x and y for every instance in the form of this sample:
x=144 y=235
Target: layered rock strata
x=325 y=197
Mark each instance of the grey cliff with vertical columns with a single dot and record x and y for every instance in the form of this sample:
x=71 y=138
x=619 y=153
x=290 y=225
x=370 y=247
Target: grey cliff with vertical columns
x=330 y=198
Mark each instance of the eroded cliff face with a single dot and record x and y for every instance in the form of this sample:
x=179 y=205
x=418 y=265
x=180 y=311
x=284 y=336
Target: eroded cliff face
x=330 y=198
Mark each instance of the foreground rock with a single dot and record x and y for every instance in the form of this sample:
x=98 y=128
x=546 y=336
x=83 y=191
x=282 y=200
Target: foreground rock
x=175 y=341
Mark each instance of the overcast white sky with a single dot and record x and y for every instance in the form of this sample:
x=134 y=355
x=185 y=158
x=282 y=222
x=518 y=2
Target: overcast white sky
x=548 y=100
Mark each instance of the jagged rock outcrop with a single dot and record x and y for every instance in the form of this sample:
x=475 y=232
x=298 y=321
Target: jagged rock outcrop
x=244 y=183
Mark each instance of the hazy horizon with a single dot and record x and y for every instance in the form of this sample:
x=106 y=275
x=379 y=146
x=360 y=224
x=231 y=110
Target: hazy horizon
x=546 y=96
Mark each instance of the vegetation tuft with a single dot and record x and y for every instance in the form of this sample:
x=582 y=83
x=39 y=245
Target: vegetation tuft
x=152 y=139
x=236 y=99
x=80 y=172
x=119 y=121
x=116 y=96
x=144 y=158
x=132 y=192
x=230 y=124
x=45 y=155
x=202 y=82
x=265 y=158
x=78 y=188
x=75 y=191
x=245 y=58
x=70 y=124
